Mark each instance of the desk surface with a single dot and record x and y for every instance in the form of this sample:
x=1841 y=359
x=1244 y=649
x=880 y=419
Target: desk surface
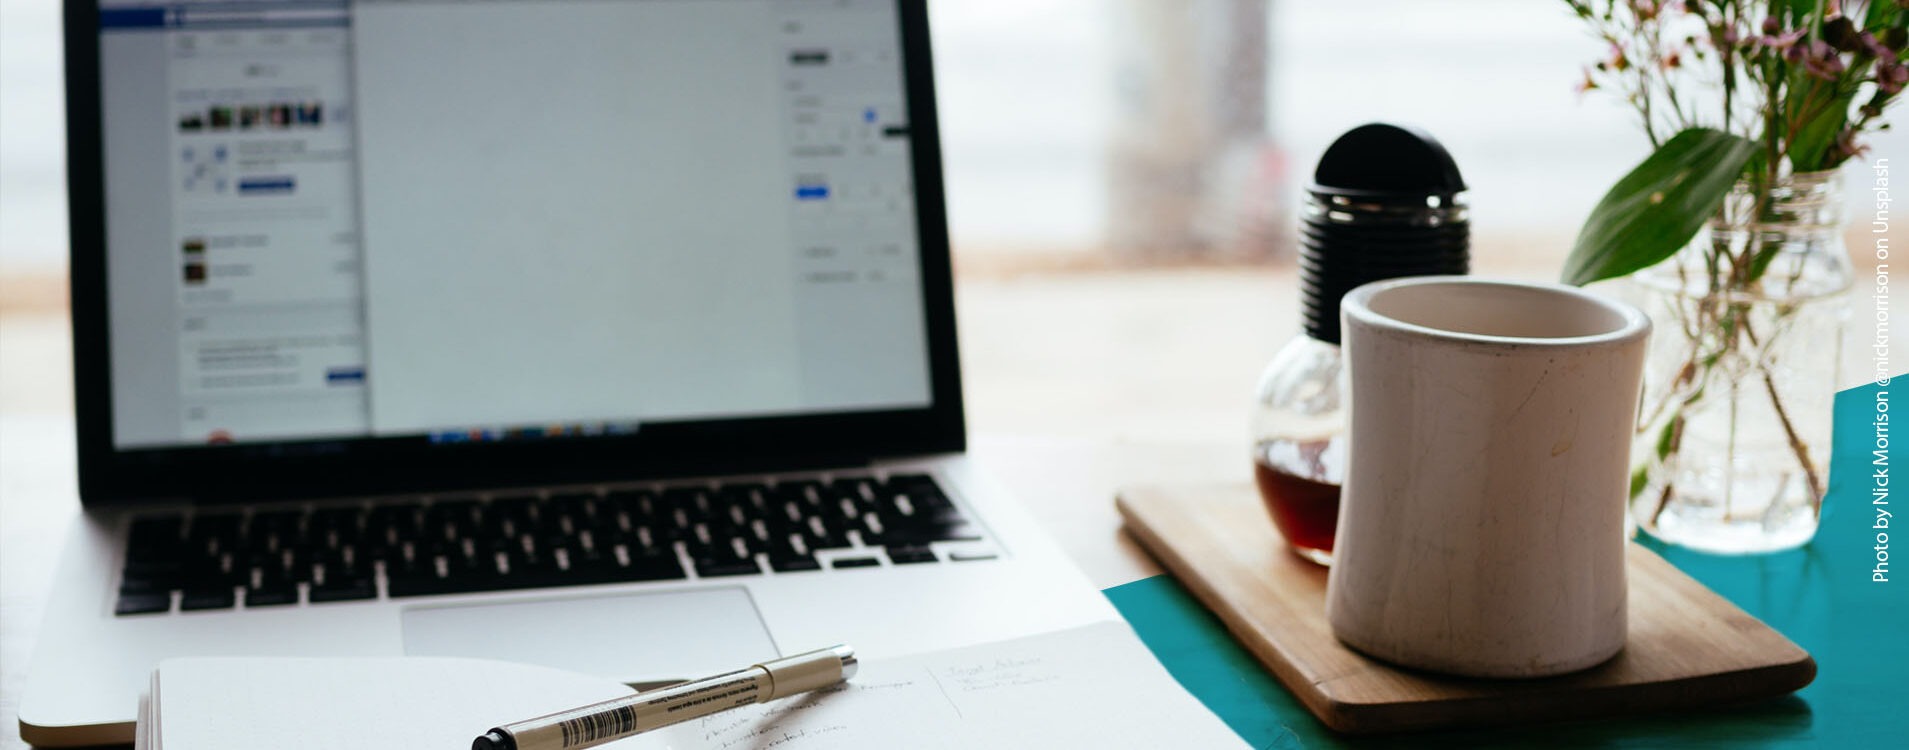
x=1067 y=482
x=1175 y=351
x=1126 y=378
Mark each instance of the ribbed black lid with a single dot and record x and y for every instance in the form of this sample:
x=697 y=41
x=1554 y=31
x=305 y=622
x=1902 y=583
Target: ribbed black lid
x=1384 y=203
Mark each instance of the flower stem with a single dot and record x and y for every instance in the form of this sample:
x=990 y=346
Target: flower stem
x=1801 y=449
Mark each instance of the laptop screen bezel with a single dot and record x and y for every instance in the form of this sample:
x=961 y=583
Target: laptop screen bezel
x=386 y=465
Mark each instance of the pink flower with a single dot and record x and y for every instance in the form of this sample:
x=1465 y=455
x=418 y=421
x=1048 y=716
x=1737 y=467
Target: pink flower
x=1875 y=47
x=1818 y=59
x=1891 y=76
x=1617 y=60
x=1782 y=42
x=1846 y=145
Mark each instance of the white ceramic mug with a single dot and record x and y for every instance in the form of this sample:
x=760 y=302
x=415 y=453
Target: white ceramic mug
x=1481 y=526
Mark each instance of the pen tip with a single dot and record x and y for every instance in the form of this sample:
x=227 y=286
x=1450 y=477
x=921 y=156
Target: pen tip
x=493 y=740
x=849 y=664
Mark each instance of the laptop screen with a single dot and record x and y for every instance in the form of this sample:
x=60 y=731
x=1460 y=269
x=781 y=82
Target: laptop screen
x=491 y=220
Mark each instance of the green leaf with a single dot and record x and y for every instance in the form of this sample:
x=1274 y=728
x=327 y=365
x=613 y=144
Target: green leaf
x=1882 y=13
x=1803 y=13
x=1763 y=258
x=1667 y=438
x=1659 y=206
x=1810 y=150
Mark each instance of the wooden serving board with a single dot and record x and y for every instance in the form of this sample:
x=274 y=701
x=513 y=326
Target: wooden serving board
x=1688 y=646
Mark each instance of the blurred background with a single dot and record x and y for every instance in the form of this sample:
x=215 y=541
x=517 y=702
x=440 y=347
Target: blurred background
x=1122 y=181
x=1158 y=131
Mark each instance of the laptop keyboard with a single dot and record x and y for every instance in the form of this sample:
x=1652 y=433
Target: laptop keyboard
x=215 y=559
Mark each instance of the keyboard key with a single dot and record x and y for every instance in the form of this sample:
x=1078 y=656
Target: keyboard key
x=693 y=502
x=860 y=492
x=214 y=534
x=216 y=571
x=512 y=516
x=294 y=565
x=651 y=568
x=154 y=568
x=139 y=604
x=142 y=578
x=808 y=496
x=464 y=545
x=910 y=555
x=720 y=568
x=793 y=563
x=531 y=579
x=212 y=598
x=749 y=497
x=873 y=529
x=646 y=505
x=954 y=531
x=824 y=534
x=420 y=585
x=573 y=512
x=344 y=590
x=944 y=525
x=855 y=562
x=275 y=530
x=271 y=596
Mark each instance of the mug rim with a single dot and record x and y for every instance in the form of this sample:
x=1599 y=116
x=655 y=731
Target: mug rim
x=1355 y=306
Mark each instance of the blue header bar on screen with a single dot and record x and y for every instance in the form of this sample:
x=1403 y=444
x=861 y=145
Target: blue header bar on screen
x=224 y=15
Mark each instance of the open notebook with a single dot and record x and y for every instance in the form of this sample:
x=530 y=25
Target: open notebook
x=1096 y=686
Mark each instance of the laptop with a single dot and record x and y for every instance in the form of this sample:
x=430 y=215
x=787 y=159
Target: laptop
x=610 y=335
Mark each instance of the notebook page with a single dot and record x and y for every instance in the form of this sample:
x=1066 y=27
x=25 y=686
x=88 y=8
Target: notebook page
x=142 y=727
x=1096 y=686
x=325 y=704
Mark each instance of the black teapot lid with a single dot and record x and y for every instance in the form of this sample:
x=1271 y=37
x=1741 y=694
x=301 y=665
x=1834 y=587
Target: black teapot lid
x=1383 y=204
x=1385 y=160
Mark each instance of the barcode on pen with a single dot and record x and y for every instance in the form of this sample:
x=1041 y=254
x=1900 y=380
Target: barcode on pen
x=587 y=729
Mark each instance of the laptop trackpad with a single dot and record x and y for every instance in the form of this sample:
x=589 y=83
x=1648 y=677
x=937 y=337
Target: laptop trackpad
x=672 y=635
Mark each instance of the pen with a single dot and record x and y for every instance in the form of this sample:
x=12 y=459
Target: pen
x=618 y=718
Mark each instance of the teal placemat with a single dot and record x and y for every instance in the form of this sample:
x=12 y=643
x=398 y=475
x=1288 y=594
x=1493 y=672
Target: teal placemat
x=1822 y=597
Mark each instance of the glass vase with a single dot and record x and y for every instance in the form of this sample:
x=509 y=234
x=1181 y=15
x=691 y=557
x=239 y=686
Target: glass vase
x=1734 y=428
